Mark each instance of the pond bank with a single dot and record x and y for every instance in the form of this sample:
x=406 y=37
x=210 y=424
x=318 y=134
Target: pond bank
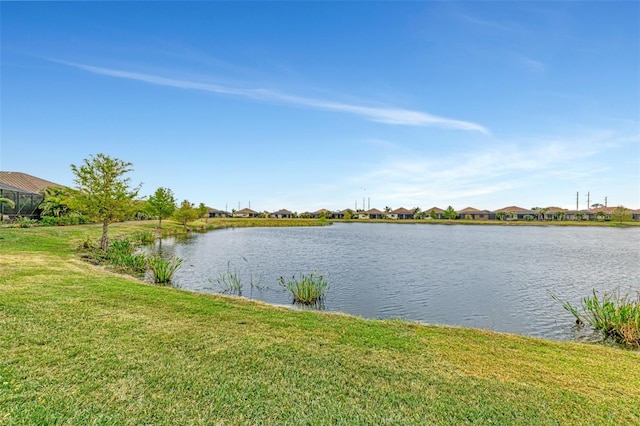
x=82 y=345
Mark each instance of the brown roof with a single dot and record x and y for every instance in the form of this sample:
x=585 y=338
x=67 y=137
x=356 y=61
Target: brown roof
x=607 y=210
x=373 y=211
x=246 y=211
x=282 y=211
x=25 y=182
x=556 y=209
x=435 y=209
x=515 y=209
x=402 y=210
x=470 y=210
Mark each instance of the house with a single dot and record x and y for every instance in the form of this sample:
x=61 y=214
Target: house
x=555 y=213
x=246 y=213
x=25 y=191
x=604 y=213
x=402 y=213
x=475 y=214
x=322 y=212
x=340 y=214
x=282 y=214
x=218 y=213
x=371 y=214
x=438 y=213
x=515 y=212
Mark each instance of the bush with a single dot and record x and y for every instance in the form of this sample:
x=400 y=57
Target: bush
x=309 y=290
x=616 y=316
x=24 y=222
x=121 y=254
x=144 y=238
x=163 y=269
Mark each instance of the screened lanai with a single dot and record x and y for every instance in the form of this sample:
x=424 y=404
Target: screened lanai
x=25 y=203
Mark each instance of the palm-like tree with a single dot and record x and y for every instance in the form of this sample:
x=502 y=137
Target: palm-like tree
x=542 y=213
x=8 y=202
x=417 y=213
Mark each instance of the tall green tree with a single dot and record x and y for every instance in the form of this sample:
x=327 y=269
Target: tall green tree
x=185 y=213
x=621 y=214
x=161 y=204
x=450 y=213
x=202 y=210
x=103 y=192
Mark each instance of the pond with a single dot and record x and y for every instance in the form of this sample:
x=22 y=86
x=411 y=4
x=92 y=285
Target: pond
x=491 y=277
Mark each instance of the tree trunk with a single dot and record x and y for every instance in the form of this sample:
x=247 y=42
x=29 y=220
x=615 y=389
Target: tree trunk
x=160 y=223
x=104 y=242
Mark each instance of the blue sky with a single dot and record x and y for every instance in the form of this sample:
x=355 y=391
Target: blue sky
x=309 y=105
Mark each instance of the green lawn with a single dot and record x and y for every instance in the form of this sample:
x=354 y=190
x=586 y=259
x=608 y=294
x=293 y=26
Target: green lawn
x=82 y=345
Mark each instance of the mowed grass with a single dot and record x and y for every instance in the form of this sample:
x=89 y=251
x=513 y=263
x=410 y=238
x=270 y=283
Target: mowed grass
x=81 y=345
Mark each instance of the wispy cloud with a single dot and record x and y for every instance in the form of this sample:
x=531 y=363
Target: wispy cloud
x=531 y=64
x=388 y=115
x=481 y=173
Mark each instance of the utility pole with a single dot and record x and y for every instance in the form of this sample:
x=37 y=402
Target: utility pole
x=605 y=201
x=368 y=203
x=588 y=200
x=577 y=199
x=249 y=203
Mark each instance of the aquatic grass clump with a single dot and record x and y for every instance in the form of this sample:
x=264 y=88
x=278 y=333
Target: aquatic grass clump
x=121 y=254
x=163 y=269
x=615 y=315
x=229 y=282
x=308 y=290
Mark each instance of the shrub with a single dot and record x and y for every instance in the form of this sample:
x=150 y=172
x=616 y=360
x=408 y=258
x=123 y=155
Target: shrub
x=49 y=221
x=144 y=238
x=163 y=269
x=121 y=254
x=309 y=290
x=24 y=222
x=616 y=316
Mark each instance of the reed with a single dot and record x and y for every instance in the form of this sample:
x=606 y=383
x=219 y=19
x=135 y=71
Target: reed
x=616 y=316
x=229 y=281
x=163 y=269
x=308 y=290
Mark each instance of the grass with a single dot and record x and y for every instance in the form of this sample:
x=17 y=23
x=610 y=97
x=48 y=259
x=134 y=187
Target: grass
x=615 y=315
x=308 y=290
x=82 y=345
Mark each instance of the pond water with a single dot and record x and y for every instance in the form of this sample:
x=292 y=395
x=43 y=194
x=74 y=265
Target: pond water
x=492 y=277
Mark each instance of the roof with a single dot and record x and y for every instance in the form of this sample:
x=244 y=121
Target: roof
x=402 y=210
x=246 y=211
x=556 y=209
x=515 y=209
x=25 y=182
x=282 y=211
x=373 y=211
x=471 y=210
x=435 y=209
